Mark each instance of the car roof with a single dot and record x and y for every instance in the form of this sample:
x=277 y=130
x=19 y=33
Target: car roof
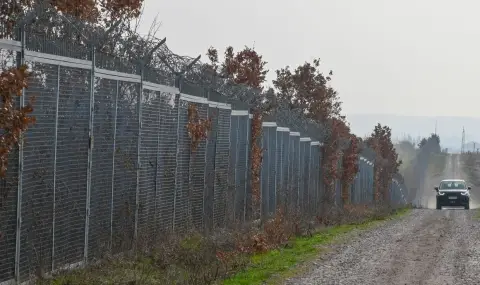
x=453 y=180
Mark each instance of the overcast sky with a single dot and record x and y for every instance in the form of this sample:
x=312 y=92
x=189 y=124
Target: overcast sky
x=398 y=57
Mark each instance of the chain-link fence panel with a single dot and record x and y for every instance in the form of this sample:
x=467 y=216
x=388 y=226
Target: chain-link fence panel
x=303 y=189
x=197 y=176
x=183 y=167
x=221 y=164
x=38 y=172
x=313 y=181
x=370 y=181
x=248 y=191
x=338 y=185
x=71 y=169
x=280 y=166
x=149 y=148
x=125 y=170
x=272 y=170
x=8 y=212
x=232 y=207
x=305 y=144
x=104 y=113
x=167 y=153
x=264 y=171
x=294 y=170
x=278 y=169
x=210 y=168
x=364 y=170
x=321 y=179
x=241 y=168
x=284 y=188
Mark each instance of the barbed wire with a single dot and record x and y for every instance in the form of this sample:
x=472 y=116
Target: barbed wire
x=121 y=48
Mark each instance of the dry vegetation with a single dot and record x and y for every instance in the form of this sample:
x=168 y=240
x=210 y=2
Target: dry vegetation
x=197 y=259
x=471 y=167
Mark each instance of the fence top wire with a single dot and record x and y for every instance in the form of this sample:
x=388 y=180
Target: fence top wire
x=120 y=48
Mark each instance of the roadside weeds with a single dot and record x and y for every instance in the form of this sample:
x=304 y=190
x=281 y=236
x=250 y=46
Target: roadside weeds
x=277 y=265
x=268 y=253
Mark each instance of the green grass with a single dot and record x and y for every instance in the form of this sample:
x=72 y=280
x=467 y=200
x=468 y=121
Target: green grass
x=281 y=263
x=195 y=262
x=477 y=214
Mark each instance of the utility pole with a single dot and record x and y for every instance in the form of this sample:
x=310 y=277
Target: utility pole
x=463 y=141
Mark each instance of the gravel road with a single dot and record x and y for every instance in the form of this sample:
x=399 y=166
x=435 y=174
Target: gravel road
x=425 y=247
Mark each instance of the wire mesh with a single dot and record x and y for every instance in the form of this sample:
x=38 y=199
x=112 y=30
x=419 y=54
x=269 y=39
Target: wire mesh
x=248 y=187
x=102 y=167
x=280 y=190
x=264 y=172
x=295 y=171
x=38 y=173
x=338 y=184
x=197 y=172
x=306 y=176
x=221 y=166
x=302 y=188
x=149 y=142
x=9 y=197
x=313 y=180
x=210 y=169
x=167 y=161
x=232 y=203
x=272 y=170
x=125 y=177
x=183 y=168
x=8 y=212
x=71 y=176
x=241 y=167
x=284 y=183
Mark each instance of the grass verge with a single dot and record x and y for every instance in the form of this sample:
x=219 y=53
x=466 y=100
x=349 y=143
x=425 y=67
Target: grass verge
x=281 y=263
x=196 y=259
x=477 y=214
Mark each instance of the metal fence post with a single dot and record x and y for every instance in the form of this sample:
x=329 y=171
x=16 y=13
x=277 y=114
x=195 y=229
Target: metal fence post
x=90 y=155
x=55 y=166
x=20 y=61
x=113 y=161
x=247 y=146
x=237 y=155
x=310 y=198
x=178 y=81
x=139 y=142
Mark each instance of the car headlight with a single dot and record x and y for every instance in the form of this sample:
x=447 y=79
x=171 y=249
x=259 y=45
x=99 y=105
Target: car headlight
x=440 y=193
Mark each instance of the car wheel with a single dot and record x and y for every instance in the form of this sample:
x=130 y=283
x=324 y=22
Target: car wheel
x=439 y=206
x=467 y=206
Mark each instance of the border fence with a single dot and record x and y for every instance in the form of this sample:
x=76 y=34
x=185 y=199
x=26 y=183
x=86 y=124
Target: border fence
x=109 y=162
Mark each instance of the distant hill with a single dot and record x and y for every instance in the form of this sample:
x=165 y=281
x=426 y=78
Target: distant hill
x=448 y=128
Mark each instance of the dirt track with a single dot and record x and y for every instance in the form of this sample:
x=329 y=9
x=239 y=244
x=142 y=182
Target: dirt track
x=426 y=247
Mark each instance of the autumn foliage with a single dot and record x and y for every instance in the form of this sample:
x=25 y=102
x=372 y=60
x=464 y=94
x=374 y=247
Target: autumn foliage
x=306 y=88
x=256 y=159
x=14 y=120
x=386 y=161
x=197 y=128
x=245 y=67
x=349 y=166
x=91 y=11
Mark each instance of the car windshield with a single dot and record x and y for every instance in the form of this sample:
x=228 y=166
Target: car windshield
x=447 y=185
